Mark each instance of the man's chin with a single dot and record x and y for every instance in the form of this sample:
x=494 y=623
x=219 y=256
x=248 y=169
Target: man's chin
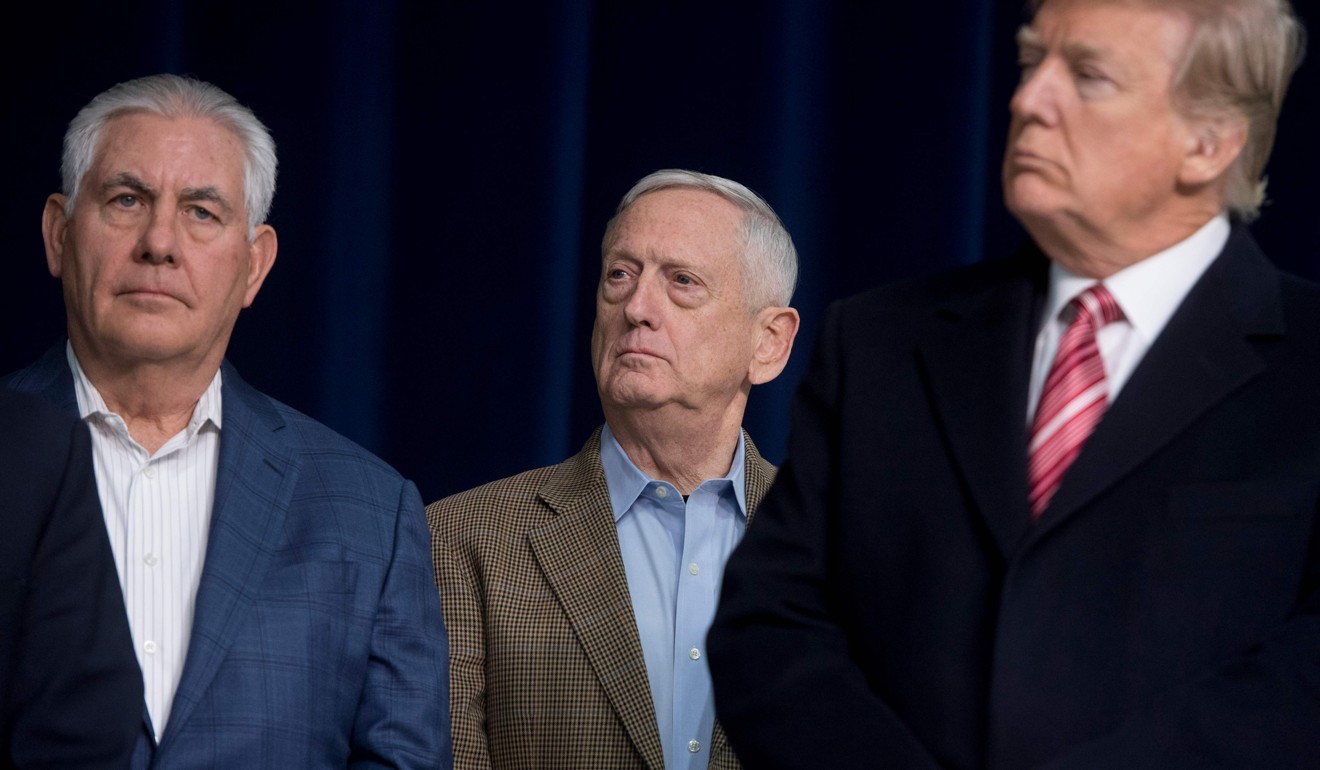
x=1033 y=205
x=143 y=348
x=634 y=390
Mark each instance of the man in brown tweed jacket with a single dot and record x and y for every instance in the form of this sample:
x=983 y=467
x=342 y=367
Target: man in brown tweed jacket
x=578 y=596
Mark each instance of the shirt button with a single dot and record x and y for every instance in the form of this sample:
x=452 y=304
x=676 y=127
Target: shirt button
x=694 y=746
x=661 y=492
x=149 y=471
x=149 y=647
x=150 y=560
x=693 y=568
x=694 y=653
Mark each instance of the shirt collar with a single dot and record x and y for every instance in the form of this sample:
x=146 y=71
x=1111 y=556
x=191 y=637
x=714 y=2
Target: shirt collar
x=1149 y=291
x=626 y=482
x=91 y=404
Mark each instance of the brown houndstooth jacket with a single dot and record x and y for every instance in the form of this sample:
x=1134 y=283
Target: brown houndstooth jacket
x=546 y=667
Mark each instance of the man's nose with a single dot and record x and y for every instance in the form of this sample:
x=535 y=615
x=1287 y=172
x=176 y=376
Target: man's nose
x=160 y=240
x=1036 y=97
x=642 y=304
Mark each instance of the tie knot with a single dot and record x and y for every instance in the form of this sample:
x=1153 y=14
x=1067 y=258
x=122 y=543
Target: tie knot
x=1095 y=305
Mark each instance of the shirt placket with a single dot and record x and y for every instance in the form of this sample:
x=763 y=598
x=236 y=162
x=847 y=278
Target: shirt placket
x=696 y=607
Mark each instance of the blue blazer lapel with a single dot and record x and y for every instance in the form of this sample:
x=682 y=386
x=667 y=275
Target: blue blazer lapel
x=48 y=377
x=976 y=362
x=1204 y=354
x=254 y=483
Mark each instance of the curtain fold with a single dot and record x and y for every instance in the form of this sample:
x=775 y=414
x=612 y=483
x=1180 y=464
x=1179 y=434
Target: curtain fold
x=447 y=171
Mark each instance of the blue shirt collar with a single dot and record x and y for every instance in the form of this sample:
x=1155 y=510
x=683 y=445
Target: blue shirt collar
x=626 y=482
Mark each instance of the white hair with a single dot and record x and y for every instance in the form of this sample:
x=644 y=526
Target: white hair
x=172 y=96
x=769 y=259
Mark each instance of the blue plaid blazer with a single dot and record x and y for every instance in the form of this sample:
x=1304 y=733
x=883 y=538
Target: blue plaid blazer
x=317 y=638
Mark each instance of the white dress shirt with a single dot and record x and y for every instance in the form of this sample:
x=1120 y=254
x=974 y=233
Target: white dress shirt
x=1148 y=292
x=158 y=515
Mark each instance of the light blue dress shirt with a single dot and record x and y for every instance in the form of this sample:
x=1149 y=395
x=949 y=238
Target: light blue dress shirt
x=674 y=554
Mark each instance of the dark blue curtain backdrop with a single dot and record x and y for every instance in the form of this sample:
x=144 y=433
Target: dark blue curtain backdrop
x=447 y=171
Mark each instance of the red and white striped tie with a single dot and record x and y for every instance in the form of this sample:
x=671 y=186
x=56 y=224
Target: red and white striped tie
x=1074 y=397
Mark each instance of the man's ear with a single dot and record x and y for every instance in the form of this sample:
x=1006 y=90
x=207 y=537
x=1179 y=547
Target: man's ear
x=1212 y=147
x=776 y=327
x=54 y=226
x=261 y=258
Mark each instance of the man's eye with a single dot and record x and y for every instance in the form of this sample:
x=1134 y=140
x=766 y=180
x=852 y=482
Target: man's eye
x=1027 y=63
x=202 y=214
x=683 y=279
x=1093 y=84
x=126 y=201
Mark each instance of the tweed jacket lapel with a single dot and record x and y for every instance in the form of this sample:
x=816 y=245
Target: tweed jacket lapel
x=579 y=555
x=760 y=474
x=254 y=482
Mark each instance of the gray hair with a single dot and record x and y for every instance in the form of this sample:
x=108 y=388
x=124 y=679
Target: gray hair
x=172 y=96
x=1237 y=64
x=769 y=259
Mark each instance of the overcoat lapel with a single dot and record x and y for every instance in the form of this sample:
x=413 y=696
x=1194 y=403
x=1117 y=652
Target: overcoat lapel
x=759 y=475
x=1202 y=356
x=579 y=555
x=254 y=483
x=977 y=360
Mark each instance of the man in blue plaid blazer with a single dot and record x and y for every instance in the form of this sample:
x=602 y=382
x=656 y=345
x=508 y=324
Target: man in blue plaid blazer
x=276 y=577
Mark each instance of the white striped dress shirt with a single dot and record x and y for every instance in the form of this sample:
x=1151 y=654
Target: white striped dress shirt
x=158 y=514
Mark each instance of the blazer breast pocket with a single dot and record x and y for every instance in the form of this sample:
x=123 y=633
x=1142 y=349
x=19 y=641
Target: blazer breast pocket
x=310 y=580
x=311 y=611
x=1246 y=500
x=1228 y=563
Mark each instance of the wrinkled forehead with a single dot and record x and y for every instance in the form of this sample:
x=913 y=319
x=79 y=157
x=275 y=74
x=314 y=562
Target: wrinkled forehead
x=147 y=137
x=677 y=214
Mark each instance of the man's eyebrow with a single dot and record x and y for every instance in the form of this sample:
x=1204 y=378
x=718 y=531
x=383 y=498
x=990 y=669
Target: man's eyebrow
x=1029 y=38
x=1084 y=52
x=207 y=193
x=125 y=179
